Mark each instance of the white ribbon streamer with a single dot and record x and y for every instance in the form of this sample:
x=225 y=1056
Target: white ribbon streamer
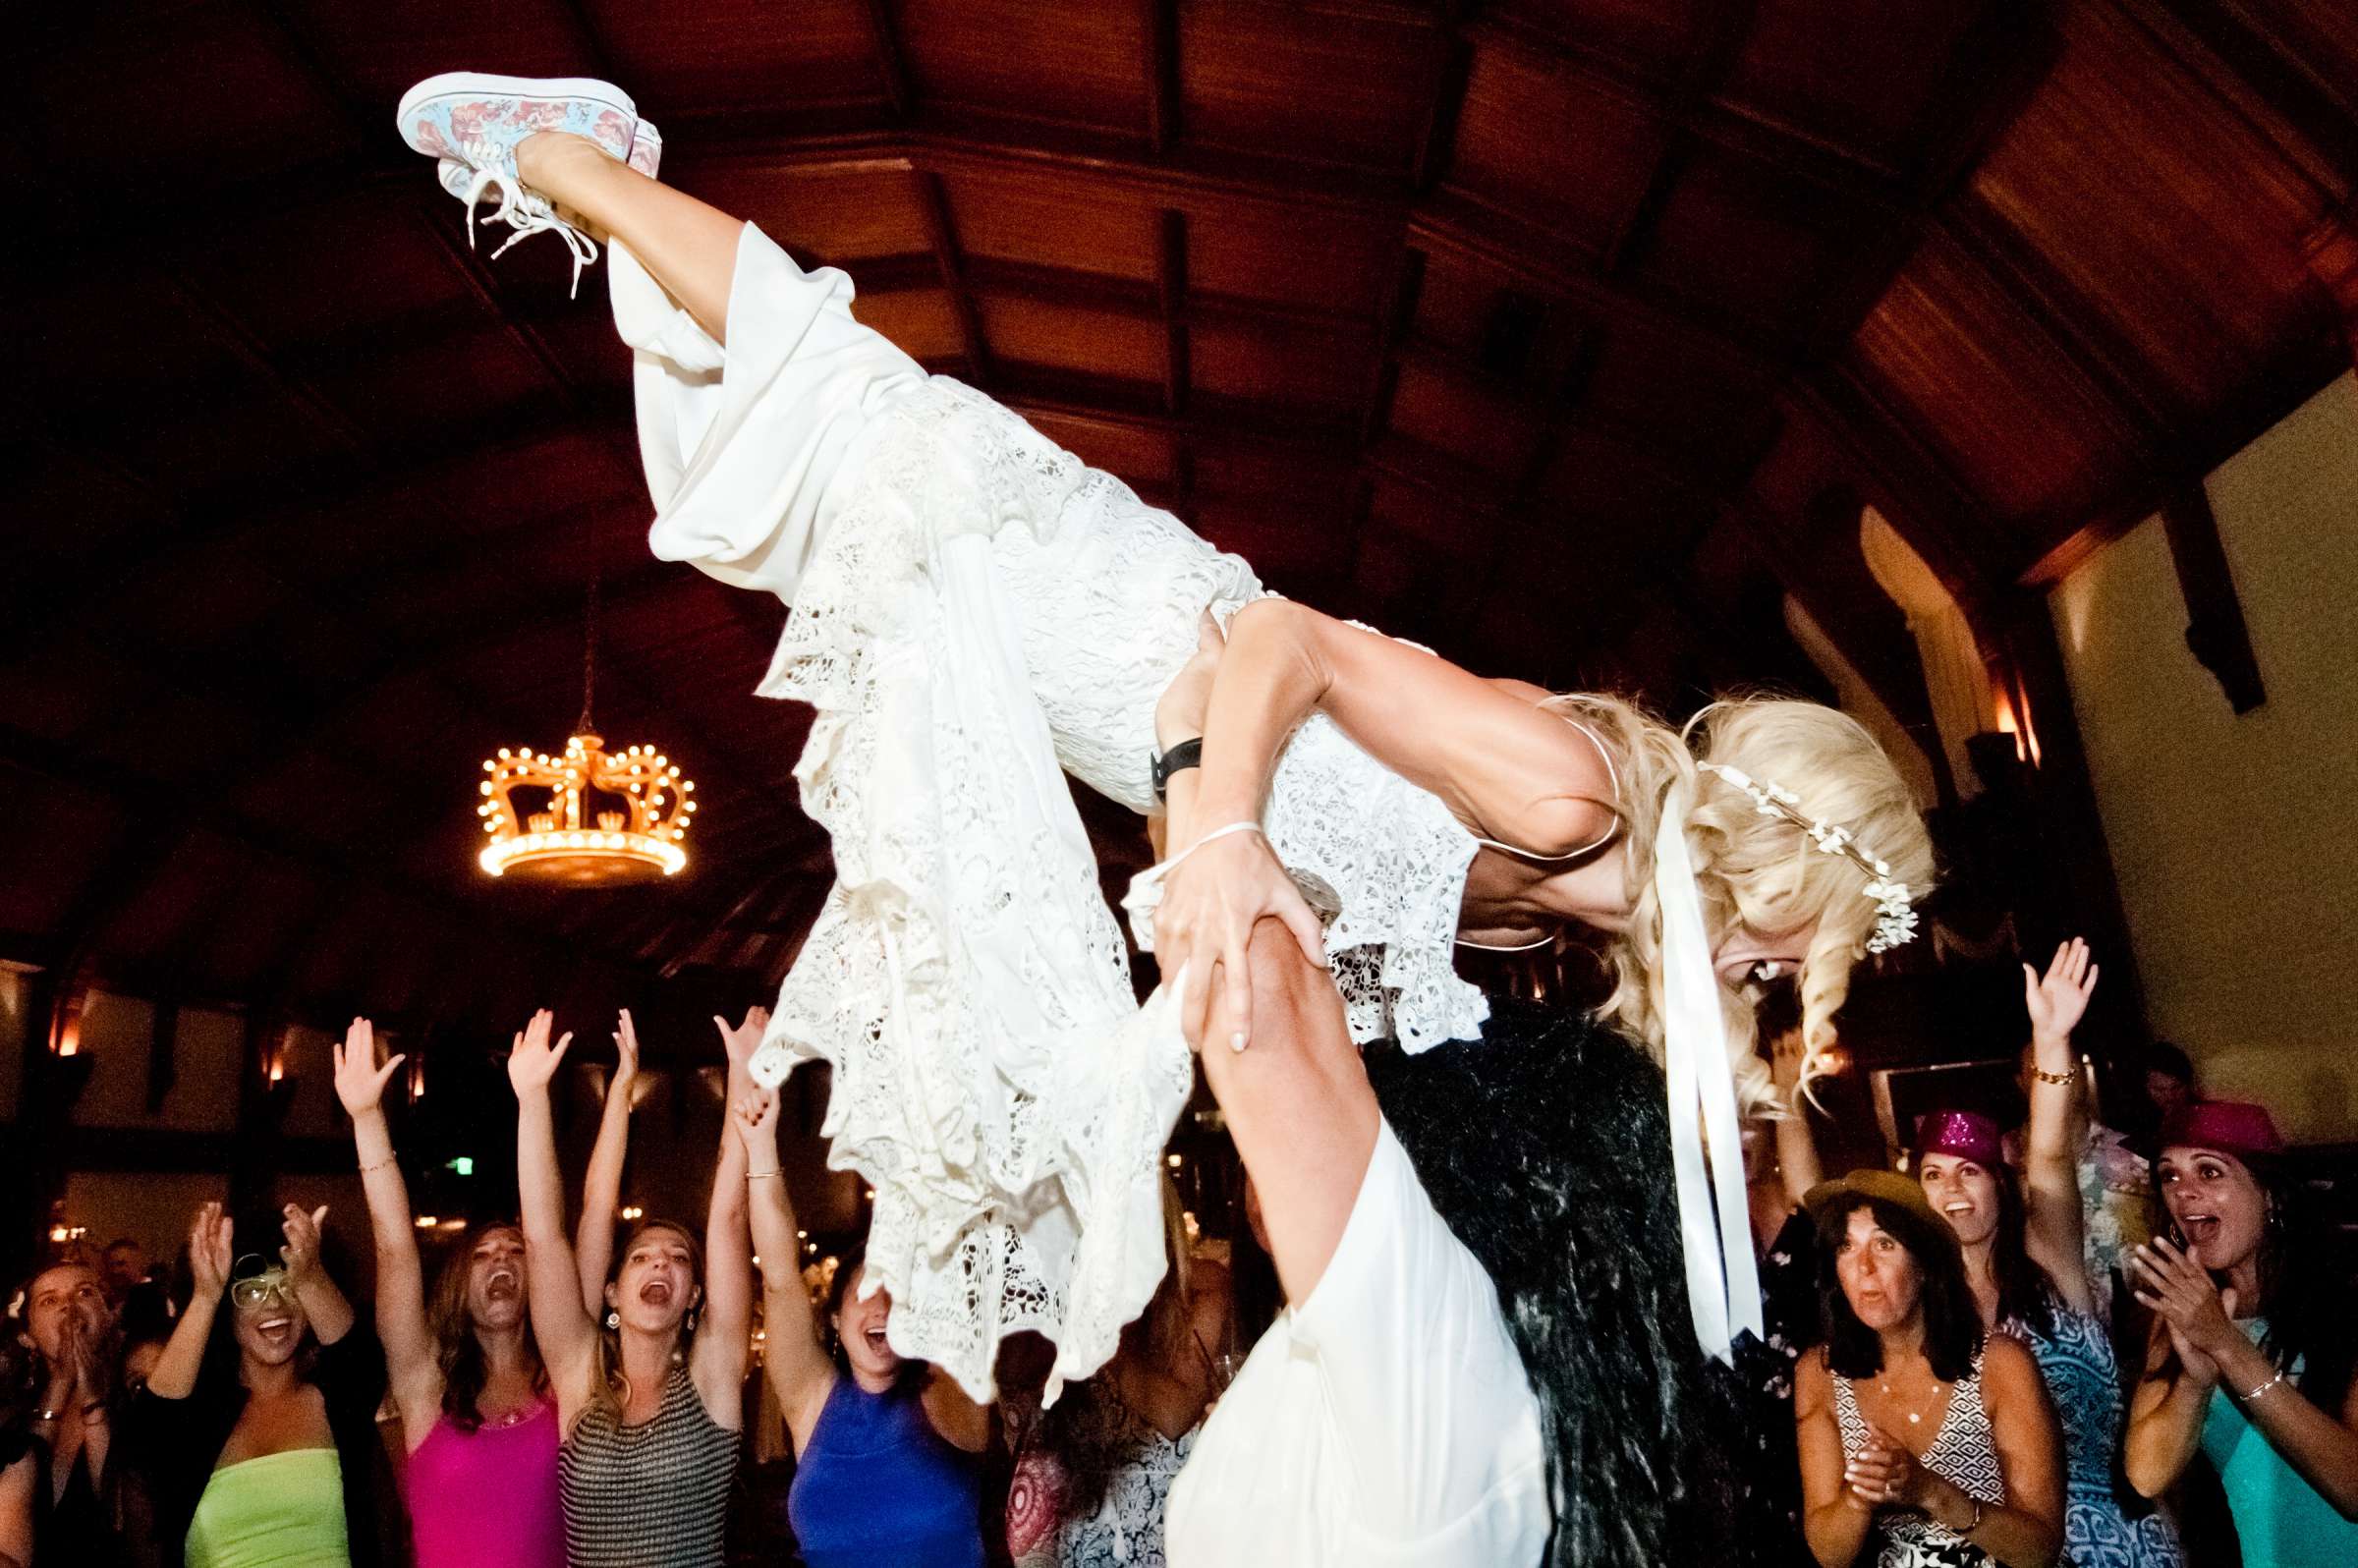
x=1723 y=1286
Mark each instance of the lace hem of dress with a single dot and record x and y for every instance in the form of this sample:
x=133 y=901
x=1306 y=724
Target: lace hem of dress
x=995 y=1080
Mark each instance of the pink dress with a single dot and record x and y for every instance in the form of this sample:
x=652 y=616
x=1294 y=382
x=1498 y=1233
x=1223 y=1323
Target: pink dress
x=487 y=1499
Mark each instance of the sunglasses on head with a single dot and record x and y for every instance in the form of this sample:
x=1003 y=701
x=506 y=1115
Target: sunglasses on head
x=257 y=1281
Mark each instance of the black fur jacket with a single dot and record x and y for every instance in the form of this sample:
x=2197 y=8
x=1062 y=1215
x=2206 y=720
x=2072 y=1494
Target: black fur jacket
x=1545 y=1147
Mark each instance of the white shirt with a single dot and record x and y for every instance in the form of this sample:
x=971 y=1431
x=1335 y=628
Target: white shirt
x=1386 y=1420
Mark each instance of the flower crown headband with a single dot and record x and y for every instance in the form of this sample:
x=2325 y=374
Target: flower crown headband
x=1895 y=920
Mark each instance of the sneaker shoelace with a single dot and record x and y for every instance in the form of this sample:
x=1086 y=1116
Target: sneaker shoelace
x=526 y=212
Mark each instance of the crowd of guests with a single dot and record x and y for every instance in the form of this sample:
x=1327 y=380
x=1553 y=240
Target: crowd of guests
x=1941 y=1383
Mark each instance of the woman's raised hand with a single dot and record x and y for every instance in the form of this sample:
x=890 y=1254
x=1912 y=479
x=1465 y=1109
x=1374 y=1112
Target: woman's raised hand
x=742 y=1042
x=359 y=1078
x=626 y=1061
x=531 y=1059
x=300 y=1254
x=209 y=1255
x=756 y=1118
x=1210 y=902
x=2058 y=1000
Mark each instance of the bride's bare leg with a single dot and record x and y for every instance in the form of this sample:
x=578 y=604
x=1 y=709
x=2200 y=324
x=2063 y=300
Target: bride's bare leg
x=688 y=245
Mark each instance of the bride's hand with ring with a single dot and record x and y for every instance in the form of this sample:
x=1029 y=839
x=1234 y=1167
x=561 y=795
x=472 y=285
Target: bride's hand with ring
x=1210 y=903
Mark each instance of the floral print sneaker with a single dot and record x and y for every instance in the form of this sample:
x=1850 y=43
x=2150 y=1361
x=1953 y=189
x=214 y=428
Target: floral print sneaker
x=527 y=211
x=476 y=121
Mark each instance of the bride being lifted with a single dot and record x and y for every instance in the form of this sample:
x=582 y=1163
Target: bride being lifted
x=974 y=609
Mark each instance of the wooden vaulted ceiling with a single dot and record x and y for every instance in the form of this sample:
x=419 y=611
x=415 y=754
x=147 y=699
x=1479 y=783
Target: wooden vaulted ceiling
x=1564 y=336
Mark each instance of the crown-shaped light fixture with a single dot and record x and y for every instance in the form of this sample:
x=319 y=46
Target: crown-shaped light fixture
x=589 y=818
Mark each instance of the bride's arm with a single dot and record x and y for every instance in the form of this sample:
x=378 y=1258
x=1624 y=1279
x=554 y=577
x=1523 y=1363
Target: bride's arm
x=1523 y=775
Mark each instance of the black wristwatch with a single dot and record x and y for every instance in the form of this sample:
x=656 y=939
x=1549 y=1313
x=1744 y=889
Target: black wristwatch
x=1186 y=755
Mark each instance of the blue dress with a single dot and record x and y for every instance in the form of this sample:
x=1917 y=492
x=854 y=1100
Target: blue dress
x=2083 y=1379
x=876 y=1487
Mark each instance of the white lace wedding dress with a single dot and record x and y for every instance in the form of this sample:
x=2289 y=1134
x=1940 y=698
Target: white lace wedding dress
x=973 y=611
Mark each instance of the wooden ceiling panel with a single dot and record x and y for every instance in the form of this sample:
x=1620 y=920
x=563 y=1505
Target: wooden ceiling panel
x=1488 y=318
x=2160 y=210
x=1470 y=418
x=1745 y=241
x=1952 y=356
x=923 y=321
x=1555 y=150
x=1256 y=250
x=1284 y=367
x=146 y=927
x=1286 y=543
x=1637 y=376
x=238 y=942
x=1263 y=76
x=1652 y=36
x=411 y=388
x=185 y=100
x=68 y=511
x=1074 y=65
x=309 y=482
x=837 y=216
x=331 y=274
x=1059 y=337
x=63 y=837
x=1137 y=454
x=1869 y=91
x=1102 y=232
x=70 y=684
x=740 y=54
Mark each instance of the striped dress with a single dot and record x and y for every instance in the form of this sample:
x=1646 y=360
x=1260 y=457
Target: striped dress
x=654 y=1495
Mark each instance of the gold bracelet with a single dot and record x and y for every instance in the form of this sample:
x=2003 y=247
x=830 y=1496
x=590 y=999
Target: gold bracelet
x=2255 y=1394
x=2057 y=1079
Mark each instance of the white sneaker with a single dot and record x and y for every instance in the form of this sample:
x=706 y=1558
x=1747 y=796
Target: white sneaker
x=476 y=121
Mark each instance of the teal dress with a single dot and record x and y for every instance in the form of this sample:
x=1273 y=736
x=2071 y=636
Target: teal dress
x=2280 y=1520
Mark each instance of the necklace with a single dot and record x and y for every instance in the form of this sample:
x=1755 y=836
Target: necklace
x=1915 y=1417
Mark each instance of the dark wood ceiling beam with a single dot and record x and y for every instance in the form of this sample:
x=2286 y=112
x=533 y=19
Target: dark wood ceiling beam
x=1394 y=321
x=1741 y=127
x=1552 y=266
x=1096 y=291
x=1171 y=298
x=1194 y=178
x=1437 y=131
x=1888 y=665
x=934 y=202
x=1706 y=71
x=75 y=768
x=2008 y=50
x=207 y=521
x=2225 y=46
x=892 y=69
x=1914 y=487
x=1162 y=67
x=593 y=44
x=2106 y=360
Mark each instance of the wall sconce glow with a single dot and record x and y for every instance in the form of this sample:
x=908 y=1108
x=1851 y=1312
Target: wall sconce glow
x=69 y=1026
x=427 y=1222
x=632 y=1211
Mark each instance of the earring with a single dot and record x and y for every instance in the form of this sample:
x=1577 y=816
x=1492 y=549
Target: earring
x=613 y=1319
x=691 y=1320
